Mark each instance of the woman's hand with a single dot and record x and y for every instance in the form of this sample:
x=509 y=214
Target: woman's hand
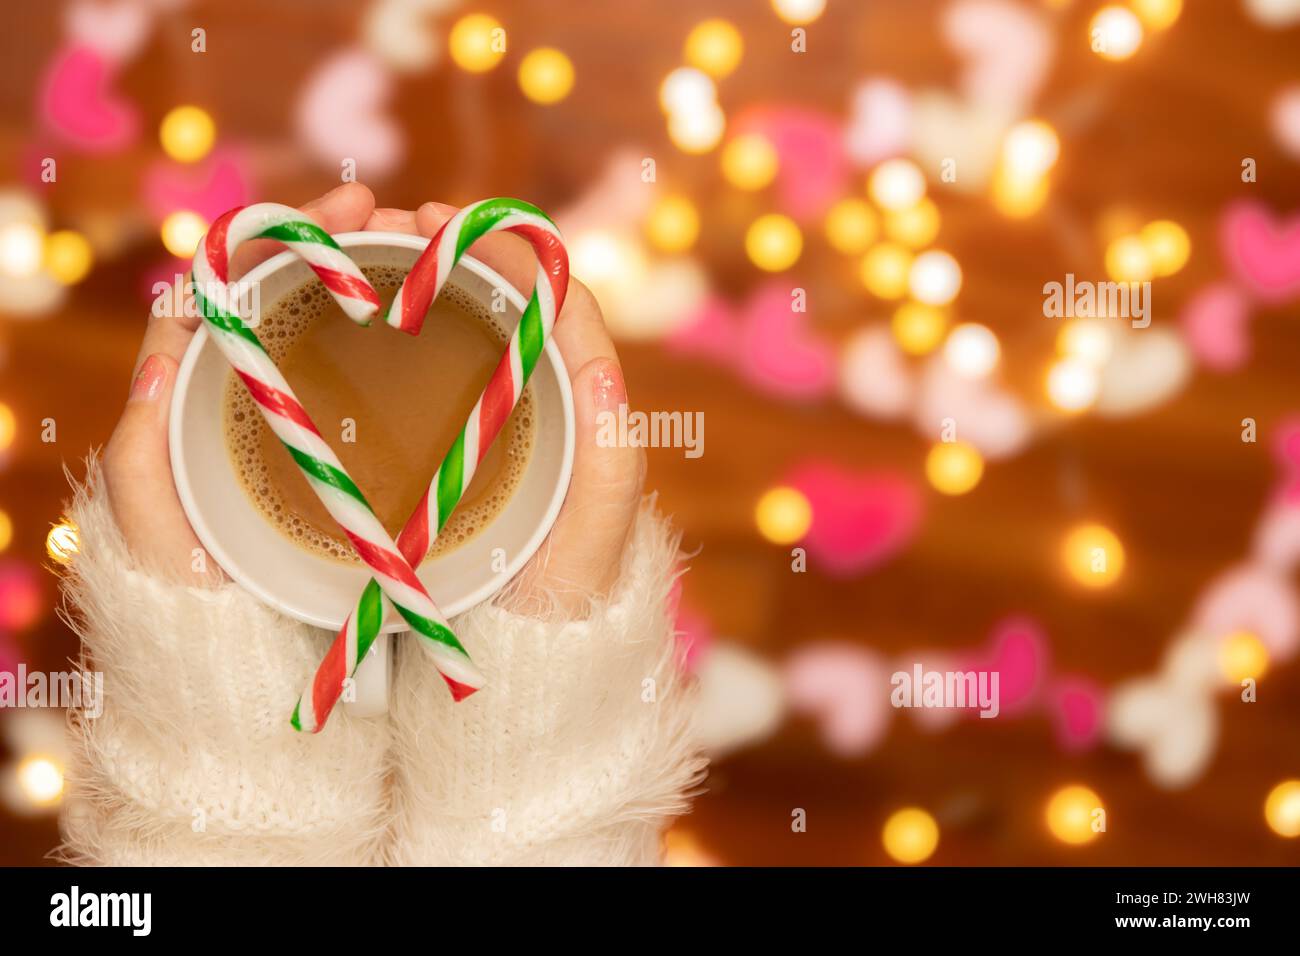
x=580 y=558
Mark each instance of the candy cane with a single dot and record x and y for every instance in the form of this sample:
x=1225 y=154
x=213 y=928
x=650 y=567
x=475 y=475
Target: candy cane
x=393 y=574
x=408 y=311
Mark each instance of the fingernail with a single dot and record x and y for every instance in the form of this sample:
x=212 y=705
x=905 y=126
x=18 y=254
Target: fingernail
x=609 y=391
x=149 y=380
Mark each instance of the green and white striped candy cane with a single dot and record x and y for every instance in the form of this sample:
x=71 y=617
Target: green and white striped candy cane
x=408 y=311
x=393 y=574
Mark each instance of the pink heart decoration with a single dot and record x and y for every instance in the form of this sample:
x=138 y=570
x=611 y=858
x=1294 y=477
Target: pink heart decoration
x=768 y=344
x=846 y=689
x=860 y=520
x=1019 y=656
x=874 y=377
x=1007 y=47
x=1262 y=252
x=341 y=114
x=1214 y=325
x=210 y=188
x=992 y=420
x=812 y=171
x=1078 y=706
x=78 y=106
x=20 y=596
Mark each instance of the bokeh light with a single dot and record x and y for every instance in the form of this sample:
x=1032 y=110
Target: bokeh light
x=600 y=257
x=686 y=88
x=885 y=270
x=673 y=224
x=40 y=780
x=1115 y=33
x=546 y=75
x=851 y=226
x=773 y=242
x=910 y=835
x=749 y=162
x=1070 y=812
x=896 y=184
x=798 y=12
x=63 y=542
x=1030 y=149
x=1093 y=555
x=972 y=350
x=1167 y=245
x=697 y=129
x=915 y=226
x=22 y=247
x=181 y=232
x=1282 y=808
x=187 y=133
x=783 y=515
x=1019 y=197
x=1072 y=384
x=1088 y=340
x=476 y=42
x=1242 y=656
x=918 y=328
x=8 y=427
x=714 y=46
x=935 y=278
x=954 y=467
x=1129 y=260
x=6 y=530
x=1157 y=14
x=68 y=256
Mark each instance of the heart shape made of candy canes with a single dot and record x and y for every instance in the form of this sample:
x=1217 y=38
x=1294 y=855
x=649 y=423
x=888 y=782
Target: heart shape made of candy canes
x=392 y=563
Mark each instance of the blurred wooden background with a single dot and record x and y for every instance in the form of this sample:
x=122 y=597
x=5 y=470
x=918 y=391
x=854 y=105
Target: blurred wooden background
x=1166 y=140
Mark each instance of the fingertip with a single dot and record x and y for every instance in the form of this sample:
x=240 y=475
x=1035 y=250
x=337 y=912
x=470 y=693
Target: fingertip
x=344 y=208
x=431 y=216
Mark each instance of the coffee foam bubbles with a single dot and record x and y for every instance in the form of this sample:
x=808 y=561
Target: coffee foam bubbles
x=283 y=323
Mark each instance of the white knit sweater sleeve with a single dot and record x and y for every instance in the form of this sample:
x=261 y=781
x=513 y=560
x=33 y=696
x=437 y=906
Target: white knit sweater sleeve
x=576 y=751
x=193 y=760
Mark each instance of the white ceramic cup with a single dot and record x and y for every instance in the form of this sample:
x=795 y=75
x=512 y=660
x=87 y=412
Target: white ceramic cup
x=315 y=589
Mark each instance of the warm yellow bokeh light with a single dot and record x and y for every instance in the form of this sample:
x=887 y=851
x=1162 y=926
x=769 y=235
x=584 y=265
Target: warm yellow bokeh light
x=546 y=75
x=954 y=467
x=1128 y=260
x=40 y=780
x=714 y=46
x=673 y=224
x=1093 y=555
x=187 y=134
x=1019 y=197
x=851 y=226
x=1070 y=814
x=935 y=278
x=181 y=232
x=6 y=530
x=22 y=246
x=885 y=270
x=1167 y=244
x=749 y=161
x=8 y=427
x=1242 y=655
x=1282 y=808
x=1088 y=340
x=918 y=328
x=63 y=542
x=910 y=835
x=685 y=88
x=972 y=350
x=1030 y=149
x=602 y=257
x=896 y=184
x=1157 y=14
x=798 y=12
x=783 y=515
x=773 y=242
x=1115 y=33
x=68 y=256
x=477 y=42
x=1072 y=384
x=697 y=129
x=916 y=226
